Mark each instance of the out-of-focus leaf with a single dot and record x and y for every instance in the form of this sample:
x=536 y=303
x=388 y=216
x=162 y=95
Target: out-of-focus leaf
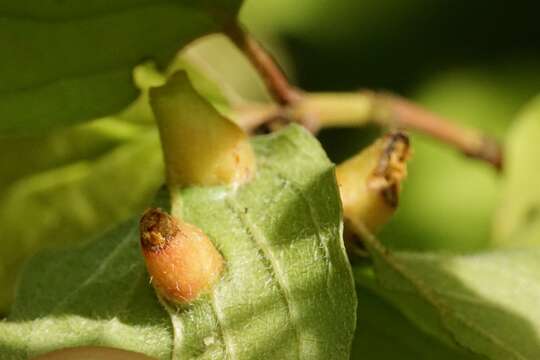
x=66 y=203
x=287 y=291
x=219 y=59
x=383 y=333
x=444 y=187
x=65 y=64
x=23 y=155
x=518 y=220
x=486 y=303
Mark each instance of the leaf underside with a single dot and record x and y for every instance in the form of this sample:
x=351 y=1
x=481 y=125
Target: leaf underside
x=287 y=291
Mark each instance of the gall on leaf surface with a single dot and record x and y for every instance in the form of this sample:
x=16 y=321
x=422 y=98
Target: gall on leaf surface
x=286 y=292
x=66 y=186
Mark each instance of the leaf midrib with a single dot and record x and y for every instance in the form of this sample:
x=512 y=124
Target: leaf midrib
x=259 y=239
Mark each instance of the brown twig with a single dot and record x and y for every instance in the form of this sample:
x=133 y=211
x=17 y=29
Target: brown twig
x=273 y=76
x=408 y=115
x=316 y=111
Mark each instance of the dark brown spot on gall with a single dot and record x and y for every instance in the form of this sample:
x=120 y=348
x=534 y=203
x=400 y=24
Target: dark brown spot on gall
x=157 y=229
x=392 y=167
x=391 y=195
x=396 y=149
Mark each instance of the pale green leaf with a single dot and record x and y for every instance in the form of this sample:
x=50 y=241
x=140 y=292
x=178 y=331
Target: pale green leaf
x=518 y=219
x=485 y=303
x=218 y=58
x=287 y=291
x=485 y=97
x=63 y=204
x=22 y=156
x=65 y=64
x=26 y=160
x=215 y=91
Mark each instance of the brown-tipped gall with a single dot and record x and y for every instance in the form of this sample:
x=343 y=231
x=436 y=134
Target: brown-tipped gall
x=181 y=260
x=370 y=182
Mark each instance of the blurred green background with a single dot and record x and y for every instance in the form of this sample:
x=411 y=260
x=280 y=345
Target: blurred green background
x=476 y=62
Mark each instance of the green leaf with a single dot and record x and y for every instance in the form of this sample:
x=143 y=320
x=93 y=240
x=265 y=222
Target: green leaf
x=64 y=204
x=518 y=219
x=18 y=155
x=204 y=79
x=287 y=291
x=65 y=64
x=218 y=58
x=485 y=303
x=384 y=333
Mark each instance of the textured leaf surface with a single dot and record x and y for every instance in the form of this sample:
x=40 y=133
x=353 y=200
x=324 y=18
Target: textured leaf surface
x=484 y=303
x=287 y=291
x=61 y=64
x=518 y=219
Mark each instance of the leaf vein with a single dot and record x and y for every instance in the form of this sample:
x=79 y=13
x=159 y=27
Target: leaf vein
x=175 y=324
x=431 y=296
x=317 y=226
x=259 y=239
x=227 y=344
x=93 y=276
